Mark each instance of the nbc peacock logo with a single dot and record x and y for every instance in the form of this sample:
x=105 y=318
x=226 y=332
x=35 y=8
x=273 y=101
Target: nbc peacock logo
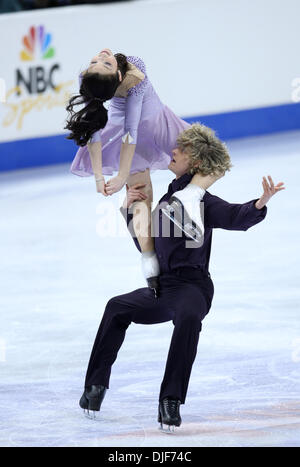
x=37 y=84
x=37 y=44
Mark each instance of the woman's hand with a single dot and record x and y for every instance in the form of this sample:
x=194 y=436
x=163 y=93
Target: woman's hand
x=133 y=194
x=212 y=178
x=205 y=181
x=115 y=184
x=100 y=186
x=269 y=190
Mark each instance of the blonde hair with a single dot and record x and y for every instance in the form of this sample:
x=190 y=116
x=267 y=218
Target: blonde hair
x=201 y=144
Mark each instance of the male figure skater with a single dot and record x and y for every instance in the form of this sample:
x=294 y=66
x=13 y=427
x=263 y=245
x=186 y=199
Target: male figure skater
x=186 y=288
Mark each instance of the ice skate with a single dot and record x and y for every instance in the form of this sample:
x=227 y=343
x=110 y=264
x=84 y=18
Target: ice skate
x=168 y=414
x=151 y=270
x=91 y=400
x=184 y=211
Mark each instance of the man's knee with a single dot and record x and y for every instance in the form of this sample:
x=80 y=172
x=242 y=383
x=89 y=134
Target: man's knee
x=191 y=317
x=111 y=304
x=115 y=309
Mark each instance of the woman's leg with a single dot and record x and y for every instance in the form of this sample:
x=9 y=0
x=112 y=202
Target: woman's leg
x=142 y=228
x=142 y=210
x=205 y=181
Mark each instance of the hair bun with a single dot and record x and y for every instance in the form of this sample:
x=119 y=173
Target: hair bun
x=122 y=63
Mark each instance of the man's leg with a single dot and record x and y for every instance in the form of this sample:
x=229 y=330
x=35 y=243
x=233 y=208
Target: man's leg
x=139 y=306
x=191 y=307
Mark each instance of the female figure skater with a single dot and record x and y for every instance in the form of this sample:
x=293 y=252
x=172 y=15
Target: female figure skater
x=136 y=135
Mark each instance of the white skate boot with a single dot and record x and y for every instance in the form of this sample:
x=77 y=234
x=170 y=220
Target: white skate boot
x=151 y=270
x=185 y=211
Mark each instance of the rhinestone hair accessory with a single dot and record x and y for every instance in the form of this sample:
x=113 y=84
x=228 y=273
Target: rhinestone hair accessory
x=98 y=99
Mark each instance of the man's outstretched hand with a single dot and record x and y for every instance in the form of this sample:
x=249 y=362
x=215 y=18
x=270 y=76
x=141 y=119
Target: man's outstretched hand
x=269 y=190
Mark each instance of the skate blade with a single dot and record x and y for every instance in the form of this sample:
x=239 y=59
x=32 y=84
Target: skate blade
x=187 y=228
x=169 y=430
x=91 y=414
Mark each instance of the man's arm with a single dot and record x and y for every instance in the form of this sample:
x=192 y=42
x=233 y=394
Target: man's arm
x=232 y=216
x=218 y=213
x=269 y=190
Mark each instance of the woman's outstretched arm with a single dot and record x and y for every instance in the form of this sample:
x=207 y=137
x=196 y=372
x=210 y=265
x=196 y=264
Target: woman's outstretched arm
x=126 y=155
x=95 y=152
x=133 y=110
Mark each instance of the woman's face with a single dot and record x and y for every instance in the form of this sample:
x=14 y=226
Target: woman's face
x=104 y=63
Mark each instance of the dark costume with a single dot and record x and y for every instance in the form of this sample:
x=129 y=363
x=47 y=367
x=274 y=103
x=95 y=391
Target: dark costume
x=186 y=291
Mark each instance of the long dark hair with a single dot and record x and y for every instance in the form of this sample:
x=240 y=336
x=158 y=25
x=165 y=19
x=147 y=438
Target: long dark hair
x=94 y=90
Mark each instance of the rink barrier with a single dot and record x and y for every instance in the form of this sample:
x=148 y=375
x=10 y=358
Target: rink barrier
x=48 y=150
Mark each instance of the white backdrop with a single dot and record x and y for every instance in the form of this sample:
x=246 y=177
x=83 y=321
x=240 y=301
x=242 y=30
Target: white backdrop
x=203 y=57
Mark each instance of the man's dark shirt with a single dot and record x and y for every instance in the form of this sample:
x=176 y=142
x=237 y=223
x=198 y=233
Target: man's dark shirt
x=175 y=249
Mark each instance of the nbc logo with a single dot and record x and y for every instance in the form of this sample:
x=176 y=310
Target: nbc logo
x=37 y=44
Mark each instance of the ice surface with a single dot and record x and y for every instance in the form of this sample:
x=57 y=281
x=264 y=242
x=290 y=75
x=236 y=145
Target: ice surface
x=57 y=273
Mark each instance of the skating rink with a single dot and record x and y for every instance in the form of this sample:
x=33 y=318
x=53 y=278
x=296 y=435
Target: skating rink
x=59 y=267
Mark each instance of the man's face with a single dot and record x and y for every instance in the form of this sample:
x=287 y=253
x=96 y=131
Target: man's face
x=180 y=163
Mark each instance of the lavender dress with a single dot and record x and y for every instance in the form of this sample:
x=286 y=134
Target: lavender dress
x=151 y=125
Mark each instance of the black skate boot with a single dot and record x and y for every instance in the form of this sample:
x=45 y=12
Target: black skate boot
x=168 y=414
x=92 y=399
x=153 y=284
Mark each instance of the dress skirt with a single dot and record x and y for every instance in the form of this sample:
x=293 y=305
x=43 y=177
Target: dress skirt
x=157 y=134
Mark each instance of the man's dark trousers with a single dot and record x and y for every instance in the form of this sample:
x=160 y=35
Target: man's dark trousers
x=185 y=298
